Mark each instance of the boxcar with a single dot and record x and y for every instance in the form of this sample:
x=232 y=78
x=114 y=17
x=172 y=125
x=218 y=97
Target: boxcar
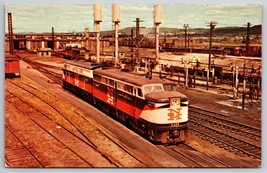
x=12 y=66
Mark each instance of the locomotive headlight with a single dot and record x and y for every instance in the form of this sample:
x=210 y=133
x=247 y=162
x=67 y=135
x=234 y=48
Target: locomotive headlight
x=175 y=102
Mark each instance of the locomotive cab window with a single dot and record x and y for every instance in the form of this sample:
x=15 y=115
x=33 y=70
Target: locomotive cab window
x=153 y=88
x=170 y=87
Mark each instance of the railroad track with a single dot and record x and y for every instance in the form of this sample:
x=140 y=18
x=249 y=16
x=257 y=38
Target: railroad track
x=22 y=154
x=48 y=70
x=44 y=65
x=72 y=133
x=191 y=157
x=82 y=136
x=221 y=120
x=235 y=137
x=62 y=137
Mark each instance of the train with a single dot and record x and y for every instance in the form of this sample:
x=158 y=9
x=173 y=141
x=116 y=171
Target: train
x=12 y=66
x=72 y=53
x=153 y=107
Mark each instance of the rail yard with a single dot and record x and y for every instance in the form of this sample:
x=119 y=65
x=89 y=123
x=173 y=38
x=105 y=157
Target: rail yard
x=82 y=100
x=41 y=116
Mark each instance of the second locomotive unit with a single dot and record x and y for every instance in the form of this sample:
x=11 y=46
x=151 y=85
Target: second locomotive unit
x=153 y=107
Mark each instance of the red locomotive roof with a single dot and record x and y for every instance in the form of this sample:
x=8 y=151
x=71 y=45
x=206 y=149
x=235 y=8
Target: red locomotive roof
x=11 y=57
x=129 y=77
x=85 y=64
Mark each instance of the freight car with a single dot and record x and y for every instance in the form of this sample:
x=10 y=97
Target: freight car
x=12 y=66
x=72 y=53
x=152 y=107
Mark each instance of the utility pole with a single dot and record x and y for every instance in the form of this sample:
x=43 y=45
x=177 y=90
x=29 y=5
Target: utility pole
x=248 y=39
x=10 y=34
x=131 y=41
x=87 y=37
x=185 y=35
x=157 y=22
x=212 y=26
x=244 y=67
x=53 y=39
x=188 y=40
x=244 y=86
x=137 y=35
x=137 y=21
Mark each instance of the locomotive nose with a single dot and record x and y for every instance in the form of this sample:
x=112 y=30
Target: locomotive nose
x=165 y=96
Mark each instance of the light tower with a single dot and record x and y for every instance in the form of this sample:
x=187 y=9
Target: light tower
x=116 y=18
x=87 y=37
x=157 y=22
x=10 y=34
x=97 y=20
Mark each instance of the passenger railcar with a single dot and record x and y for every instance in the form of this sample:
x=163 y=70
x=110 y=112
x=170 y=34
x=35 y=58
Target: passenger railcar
x=152 y=107
x=12 y=66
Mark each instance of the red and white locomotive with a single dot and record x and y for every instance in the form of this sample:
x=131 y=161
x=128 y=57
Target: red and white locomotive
x=153 y=107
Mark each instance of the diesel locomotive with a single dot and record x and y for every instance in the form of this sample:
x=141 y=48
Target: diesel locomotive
x=151 y=106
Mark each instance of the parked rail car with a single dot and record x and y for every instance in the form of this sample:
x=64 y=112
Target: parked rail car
x=153 y=107
x=80 y=53
x=67 y=54
x=72 y=53
x=12 y=66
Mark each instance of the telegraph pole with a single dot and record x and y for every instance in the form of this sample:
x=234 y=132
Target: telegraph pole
x=131 y=41
x=212 y=26
x=185 y=36
x=248 y=39
x=137 y=21
x=188 y=40
x=244 y=66
x=137 y=35
x=53 y=39
x=157 y=22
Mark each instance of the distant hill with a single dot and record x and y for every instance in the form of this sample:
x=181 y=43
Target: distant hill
x=257 y=29
x=219 y=31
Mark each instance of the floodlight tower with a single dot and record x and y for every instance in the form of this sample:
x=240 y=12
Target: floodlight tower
x=97 y=21
x=116 y=18
x=157 y=22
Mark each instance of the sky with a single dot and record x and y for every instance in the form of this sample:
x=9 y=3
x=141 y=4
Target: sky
x=32 y=17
